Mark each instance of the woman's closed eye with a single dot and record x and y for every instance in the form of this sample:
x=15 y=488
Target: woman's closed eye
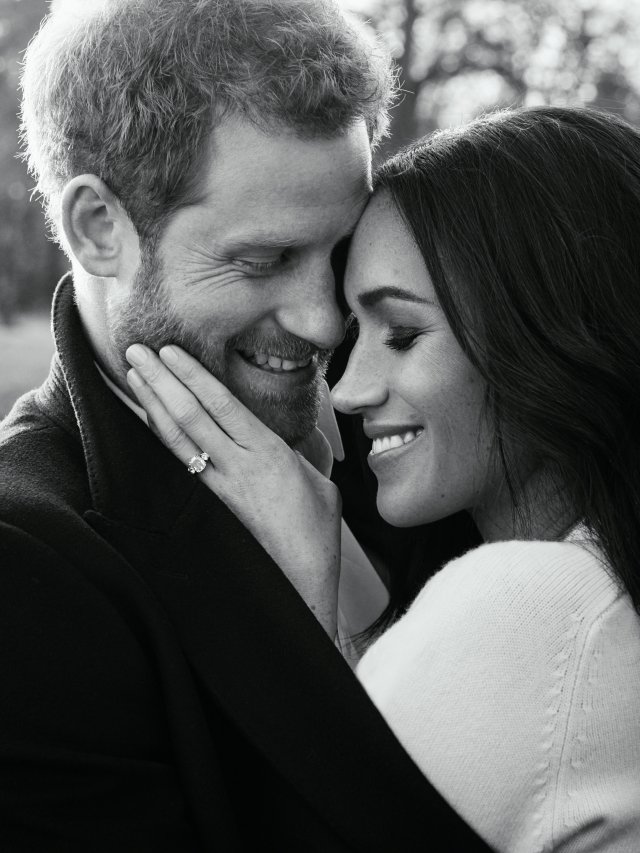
x=402 y=337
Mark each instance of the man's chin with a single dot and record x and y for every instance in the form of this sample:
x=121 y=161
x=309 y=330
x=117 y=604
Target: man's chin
x=291 y=433
x=292 y=416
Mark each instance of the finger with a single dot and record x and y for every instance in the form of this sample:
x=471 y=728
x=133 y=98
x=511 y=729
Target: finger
x=182 y=406
x=228 y=412
x=183 y=447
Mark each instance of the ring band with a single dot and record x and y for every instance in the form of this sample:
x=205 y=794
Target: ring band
x=198 y=463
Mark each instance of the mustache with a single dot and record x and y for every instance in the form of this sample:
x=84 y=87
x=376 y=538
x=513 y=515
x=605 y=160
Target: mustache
x=280 y=344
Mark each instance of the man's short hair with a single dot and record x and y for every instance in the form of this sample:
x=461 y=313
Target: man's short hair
x=132 y=91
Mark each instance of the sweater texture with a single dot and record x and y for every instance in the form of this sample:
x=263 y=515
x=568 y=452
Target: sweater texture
x=514 y=683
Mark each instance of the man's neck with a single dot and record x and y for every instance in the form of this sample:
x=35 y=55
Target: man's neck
x=91 y=299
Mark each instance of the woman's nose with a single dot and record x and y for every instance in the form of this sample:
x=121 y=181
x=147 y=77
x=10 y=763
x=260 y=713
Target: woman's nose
x=361 y=386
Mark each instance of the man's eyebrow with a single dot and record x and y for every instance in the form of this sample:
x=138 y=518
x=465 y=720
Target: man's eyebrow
x=372 y=297
x=265 y=240
x=259 y=240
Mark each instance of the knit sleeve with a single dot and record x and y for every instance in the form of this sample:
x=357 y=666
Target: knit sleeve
x=514 y=683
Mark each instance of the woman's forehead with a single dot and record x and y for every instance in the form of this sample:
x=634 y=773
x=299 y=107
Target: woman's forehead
x=383 y=253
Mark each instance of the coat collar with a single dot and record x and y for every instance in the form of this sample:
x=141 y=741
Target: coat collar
x=132 y=477
x=255 y=648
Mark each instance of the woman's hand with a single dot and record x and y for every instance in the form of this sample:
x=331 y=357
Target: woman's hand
x=292 y=509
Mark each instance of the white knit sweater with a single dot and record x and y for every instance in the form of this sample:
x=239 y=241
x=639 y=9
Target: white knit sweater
x=514 y=683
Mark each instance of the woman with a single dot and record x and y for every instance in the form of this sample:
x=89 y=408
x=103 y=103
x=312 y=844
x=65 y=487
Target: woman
x=495 y=281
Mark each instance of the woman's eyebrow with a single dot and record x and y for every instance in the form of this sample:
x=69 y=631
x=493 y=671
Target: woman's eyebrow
x=371 y=297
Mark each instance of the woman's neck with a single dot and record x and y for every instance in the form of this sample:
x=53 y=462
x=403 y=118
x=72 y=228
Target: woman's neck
x=541 y=512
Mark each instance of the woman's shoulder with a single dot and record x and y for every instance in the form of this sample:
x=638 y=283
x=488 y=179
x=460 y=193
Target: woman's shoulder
x=514 y=600
x=531 y=579
x=509 y=681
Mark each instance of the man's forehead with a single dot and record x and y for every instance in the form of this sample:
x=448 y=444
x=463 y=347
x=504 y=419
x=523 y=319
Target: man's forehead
x=279 y=190
x=266 y=221
x=289 y=234
x=250 y=162
x=287 y=185
x=275 y=195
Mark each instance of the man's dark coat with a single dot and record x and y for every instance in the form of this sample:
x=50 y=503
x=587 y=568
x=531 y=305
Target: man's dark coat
x=162 y=685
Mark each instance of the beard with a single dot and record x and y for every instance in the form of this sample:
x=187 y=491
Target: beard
x=149 y=318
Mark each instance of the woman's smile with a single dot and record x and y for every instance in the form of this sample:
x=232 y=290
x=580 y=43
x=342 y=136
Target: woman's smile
x=386 y=440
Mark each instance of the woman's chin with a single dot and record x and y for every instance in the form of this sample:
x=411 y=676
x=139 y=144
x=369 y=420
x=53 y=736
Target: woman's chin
x=398 y=514
x=404 y=511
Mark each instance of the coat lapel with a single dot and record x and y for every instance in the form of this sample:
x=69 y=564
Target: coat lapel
x=255 y=647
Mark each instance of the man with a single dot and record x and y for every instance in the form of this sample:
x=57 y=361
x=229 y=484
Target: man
x=164 y=686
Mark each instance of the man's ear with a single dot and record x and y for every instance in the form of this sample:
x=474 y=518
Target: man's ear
x=96 y=226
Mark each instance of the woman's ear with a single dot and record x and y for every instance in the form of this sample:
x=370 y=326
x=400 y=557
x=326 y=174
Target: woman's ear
x=96 y=226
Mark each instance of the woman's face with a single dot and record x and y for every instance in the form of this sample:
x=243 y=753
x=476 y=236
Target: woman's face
x=420 y=398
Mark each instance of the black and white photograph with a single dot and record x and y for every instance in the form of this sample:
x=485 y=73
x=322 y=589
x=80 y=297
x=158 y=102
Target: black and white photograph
x=319 y=426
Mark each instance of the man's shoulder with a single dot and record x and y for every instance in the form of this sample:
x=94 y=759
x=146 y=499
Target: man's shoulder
x=24 y=419
x=42 y=466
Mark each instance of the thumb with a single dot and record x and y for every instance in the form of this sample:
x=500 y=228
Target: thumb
x=316 y=449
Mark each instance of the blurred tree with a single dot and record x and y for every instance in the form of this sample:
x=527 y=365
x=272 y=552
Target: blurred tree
x=461 y=57
x=458 y=58
x=29 y=263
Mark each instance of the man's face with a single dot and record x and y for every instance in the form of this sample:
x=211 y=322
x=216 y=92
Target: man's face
x=242 y=279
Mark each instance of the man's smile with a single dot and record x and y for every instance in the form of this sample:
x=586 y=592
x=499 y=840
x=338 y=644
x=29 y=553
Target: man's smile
x=262 y=371
x=274 y=363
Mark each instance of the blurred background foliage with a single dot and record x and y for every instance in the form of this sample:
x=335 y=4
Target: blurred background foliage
x=29 y=262
x=457 y=58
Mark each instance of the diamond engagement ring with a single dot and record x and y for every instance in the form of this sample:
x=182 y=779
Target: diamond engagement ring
x=197 y=464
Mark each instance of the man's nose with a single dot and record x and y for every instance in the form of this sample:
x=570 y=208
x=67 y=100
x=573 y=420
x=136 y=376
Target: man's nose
x=361 y=387
x=311 y=311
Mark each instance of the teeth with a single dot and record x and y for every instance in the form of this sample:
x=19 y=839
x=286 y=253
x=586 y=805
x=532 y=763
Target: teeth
x=274 y=362
x=390 y=442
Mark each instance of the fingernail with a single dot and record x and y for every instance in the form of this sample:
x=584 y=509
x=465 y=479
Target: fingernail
x=134 y=379
x=169 y=354
x=136 y=354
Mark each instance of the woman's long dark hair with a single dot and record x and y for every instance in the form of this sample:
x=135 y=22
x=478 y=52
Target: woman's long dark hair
x=529 y=224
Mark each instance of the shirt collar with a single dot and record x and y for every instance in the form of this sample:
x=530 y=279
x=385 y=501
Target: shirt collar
x=140 y=412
